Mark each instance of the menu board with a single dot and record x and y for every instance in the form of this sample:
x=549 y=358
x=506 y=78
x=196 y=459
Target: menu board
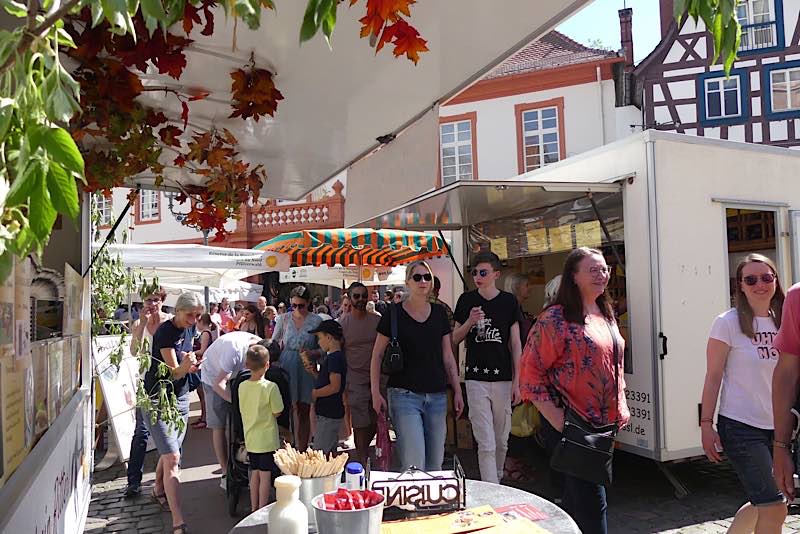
x=54 y=374
x=41 y=386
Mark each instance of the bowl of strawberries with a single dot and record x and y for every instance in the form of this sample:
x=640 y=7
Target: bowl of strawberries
x=348 y=511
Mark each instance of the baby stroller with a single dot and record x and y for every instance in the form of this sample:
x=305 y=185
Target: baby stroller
x=238 y=477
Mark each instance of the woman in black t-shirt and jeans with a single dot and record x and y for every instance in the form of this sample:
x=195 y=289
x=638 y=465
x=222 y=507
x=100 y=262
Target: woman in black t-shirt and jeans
x=417 y=395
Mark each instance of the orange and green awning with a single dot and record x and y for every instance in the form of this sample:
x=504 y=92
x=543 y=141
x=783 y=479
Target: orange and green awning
x=356 y=246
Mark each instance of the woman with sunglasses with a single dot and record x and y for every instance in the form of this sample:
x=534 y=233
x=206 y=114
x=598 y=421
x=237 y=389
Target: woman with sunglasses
x=741 y=358
x=292 y=331
x=417 y=394
x=573 y=359
x=253 y=322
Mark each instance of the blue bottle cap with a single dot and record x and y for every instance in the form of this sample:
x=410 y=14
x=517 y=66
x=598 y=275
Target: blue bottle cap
x=354 y=468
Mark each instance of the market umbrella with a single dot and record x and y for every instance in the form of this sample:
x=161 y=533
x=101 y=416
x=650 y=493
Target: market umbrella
x=356 y=246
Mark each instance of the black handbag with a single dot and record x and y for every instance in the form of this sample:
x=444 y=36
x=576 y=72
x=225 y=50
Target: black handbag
x=586 y=451
x=392 y=362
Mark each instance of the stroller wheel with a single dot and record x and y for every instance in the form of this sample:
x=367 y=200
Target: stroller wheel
x=233 y=499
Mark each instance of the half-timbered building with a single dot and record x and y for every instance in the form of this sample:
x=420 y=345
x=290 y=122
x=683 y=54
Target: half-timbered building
x=679 y=90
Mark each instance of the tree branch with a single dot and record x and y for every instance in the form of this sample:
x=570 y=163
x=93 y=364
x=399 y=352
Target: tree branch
x=31 y=33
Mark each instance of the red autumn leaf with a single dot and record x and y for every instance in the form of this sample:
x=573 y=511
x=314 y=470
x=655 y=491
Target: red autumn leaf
x=209 y=28
x=253 y=93
x=197 y=94
x=191 y=16
x=407 y=41
x=180 y=161
x=184 y=114
x=170 y=135
x=154 y=118
x=171 y=64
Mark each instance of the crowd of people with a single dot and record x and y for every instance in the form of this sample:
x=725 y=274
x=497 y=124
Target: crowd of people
x=318 y=372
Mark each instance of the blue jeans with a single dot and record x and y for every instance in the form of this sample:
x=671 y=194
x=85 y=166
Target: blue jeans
x=584 y=501
x=138 y=451
x=420 y=422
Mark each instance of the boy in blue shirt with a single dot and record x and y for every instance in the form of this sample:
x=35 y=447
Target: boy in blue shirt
x=330 y=384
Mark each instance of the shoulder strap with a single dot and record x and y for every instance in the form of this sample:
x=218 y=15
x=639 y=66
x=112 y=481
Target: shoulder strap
x=394 y=321
x=616 y=363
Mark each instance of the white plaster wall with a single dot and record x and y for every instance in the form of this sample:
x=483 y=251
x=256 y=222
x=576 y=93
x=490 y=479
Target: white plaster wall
x=497 y=128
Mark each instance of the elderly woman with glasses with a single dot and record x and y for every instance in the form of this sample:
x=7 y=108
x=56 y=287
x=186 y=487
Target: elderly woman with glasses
x=299 y=348
x=741 y=359
x=417 y=394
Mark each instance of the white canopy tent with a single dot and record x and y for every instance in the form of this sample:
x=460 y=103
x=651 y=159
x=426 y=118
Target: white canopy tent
x=339 y=276
x=339 y=100
x=198 y=265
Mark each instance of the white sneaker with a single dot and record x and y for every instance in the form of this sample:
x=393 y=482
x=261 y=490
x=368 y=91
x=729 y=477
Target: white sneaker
x=223 y=483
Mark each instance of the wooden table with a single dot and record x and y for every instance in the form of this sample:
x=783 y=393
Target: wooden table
x=478 y=494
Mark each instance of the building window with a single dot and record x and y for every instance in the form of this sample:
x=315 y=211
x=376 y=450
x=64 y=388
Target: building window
x=540 y=137
x=723 y=102
x=149 y=206
x=456 y=145
x=785 y=89
x=762 y=24
x=105 y=209
x=722 y=98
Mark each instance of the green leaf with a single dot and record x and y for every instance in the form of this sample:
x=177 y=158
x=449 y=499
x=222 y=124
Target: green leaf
x=717 y=32
x=25 y=183
x=41 y=213
x=728 y=8
x=730 y=45
x=679 y=8
x=62 y=148
x=7 y=106
x=65 y=39
x=309 y=26
x=6 y=265
x=16 y=9
x=97 y=13
x=63 y=191
x=153 y=13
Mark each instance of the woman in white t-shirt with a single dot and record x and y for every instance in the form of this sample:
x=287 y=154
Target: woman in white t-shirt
x=741 y=359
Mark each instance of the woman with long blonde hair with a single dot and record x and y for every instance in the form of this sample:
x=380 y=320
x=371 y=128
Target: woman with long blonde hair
x=741 y=360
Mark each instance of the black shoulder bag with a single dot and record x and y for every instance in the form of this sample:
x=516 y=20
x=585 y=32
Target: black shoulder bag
x=586 y=451
x=392 y=362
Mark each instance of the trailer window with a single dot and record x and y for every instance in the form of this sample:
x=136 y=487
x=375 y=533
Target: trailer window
x=748 y=231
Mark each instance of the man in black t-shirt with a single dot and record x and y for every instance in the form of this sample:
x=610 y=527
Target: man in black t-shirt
x=488 y=319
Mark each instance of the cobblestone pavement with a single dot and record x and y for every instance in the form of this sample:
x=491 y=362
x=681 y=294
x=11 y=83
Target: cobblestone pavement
x=110 y=512
x=641 y=500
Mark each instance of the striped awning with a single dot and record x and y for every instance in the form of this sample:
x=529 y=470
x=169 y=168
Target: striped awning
x=355 y=246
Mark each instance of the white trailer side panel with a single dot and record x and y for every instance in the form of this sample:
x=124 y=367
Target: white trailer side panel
x=692 y=179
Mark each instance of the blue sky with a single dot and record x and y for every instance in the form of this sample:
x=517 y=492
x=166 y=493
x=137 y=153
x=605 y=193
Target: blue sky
x=600 y=21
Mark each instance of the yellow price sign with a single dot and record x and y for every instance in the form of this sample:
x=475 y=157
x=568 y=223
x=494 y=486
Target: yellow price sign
x=537 y=241
x=499 y=246
x=588 y=234
x=560 y=238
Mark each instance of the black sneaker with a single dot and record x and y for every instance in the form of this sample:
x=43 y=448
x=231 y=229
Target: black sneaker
x=132 y=491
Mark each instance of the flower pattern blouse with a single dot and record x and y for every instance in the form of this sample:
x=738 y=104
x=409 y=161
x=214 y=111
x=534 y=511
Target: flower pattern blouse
x=565 y=361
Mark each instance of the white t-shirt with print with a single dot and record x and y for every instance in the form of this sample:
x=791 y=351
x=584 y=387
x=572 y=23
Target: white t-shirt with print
x=747 y=379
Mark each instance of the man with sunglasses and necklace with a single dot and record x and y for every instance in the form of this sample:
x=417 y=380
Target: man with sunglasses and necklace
x=360 y=329
x=488 y=319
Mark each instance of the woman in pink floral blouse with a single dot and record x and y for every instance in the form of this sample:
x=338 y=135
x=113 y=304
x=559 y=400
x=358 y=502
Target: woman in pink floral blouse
x=569 y=359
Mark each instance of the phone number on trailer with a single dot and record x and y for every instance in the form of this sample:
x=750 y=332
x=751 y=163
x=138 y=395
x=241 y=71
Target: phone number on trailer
x=637 y=396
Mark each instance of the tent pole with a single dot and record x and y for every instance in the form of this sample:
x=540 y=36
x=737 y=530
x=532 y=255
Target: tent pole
x=110 y=234
x=450 y=254
x=205 y=288
x=606 y=233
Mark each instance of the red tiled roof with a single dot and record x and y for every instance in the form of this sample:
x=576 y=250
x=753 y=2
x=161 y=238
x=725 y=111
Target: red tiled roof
x=553 y=50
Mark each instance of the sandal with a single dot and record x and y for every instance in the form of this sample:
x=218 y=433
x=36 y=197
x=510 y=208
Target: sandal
x=160 y=499
x=182 y=528
x=201 y=423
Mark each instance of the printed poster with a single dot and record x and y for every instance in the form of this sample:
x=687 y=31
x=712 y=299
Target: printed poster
x=14 y=412
x=66 y=370
x=40 y=388
x=588 y=234
x=7 y=297
x=560 y=238
x=54 y=373
x=537 y=241
x=73 y=301
x=22 y=308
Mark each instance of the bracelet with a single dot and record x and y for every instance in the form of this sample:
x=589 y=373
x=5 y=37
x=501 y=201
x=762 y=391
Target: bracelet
x=781 y=444
x=706 y=420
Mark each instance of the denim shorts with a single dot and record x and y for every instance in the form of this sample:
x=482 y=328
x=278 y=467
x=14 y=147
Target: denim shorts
x=749 y=450
x=167 y=438
x=217 y=408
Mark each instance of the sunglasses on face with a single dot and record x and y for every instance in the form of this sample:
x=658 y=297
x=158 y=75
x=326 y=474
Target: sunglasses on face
x=420 y=277
x=358 y=296
x=483 y=273
x=752 y=279
x=299 y=306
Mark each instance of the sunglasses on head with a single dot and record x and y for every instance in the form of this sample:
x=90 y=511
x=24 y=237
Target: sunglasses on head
x=752 y=279
x=482 y=272
x=420 y=277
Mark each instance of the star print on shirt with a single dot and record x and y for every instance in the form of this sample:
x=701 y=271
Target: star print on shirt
x=485 y=371
x=497 y=371
x=475 y=369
